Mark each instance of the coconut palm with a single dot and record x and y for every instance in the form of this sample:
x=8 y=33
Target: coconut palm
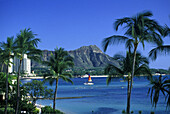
x=159 y=85
x=58 y=63
x=26 y=43
x=2 y=59
x=8 y=49
x=125 y=68
x=139 y=29
x=161 y=49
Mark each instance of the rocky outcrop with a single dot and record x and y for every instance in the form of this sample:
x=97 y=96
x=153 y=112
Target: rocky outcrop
x=90 y=56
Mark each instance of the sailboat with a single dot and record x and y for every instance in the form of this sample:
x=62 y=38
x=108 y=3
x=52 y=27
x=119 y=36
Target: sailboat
x=89 y=81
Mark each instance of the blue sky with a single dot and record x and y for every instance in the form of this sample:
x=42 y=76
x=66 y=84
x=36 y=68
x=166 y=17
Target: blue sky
x=74 y=23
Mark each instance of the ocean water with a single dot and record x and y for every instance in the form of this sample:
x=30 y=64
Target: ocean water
x=104 y=99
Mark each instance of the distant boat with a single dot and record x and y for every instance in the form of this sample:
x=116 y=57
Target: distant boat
x=89 y=81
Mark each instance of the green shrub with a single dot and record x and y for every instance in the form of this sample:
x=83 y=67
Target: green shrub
x=140 y=112
x=123 y=111
x=152 y=112
x=49 y=109
x=132 y=112
x=36 y=111
x=9 y=110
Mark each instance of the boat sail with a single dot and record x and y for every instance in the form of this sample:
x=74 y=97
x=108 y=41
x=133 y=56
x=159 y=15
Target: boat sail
x=89 y=81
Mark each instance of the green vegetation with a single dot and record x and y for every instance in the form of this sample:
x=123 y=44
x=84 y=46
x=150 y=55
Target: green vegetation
x=9 y=110
x=8 y=49
x=26 y=43
x=49 y=110
x=141 y=67
x=140 y=112
x=161 y=48
x=139 y=29
x=58 y=63
x=36 y=89
x=152 y=112
x=159 y=85
x=161 y=71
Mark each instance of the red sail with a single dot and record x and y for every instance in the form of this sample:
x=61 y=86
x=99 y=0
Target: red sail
x=89 y=79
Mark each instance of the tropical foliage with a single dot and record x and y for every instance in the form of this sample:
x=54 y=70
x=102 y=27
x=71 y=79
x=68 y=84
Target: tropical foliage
x=49 y=110
x=36 y=89
x=139 y=29
x=125 y=67
x=159 y=85
x=161 y=49
x=26 y=43
x=7 y=51
x=141 y=68
x=58 y=63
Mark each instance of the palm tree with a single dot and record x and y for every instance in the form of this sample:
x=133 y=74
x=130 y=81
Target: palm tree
x=26 y=43
x=58 y=63
x=139 y=29
x=161 y=49
x=2 y=59
x=161 y=85
x=125 y=68
x=8 y=49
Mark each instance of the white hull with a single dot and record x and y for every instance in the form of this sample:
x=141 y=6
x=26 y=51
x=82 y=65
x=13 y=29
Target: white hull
x=89 y=83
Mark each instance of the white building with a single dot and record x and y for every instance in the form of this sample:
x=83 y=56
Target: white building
x=25 y=65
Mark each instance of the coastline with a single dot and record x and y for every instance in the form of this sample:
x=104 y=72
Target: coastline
x=86 y=76
x=32 y=77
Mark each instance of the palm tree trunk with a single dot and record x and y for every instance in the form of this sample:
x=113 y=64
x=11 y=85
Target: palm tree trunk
x=130 y=89
x=55 y=94
x=6 y=94
x=2 y=67
x=18 y=88
x=128 y=95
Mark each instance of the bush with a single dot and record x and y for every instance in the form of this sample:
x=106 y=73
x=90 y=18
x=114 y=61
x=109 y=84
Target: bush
x=132 y=112
x=123 y=111
x=49 y=109
x=152 y=112
x=36 y=111
x=140 y=112
x=9 y=110
x=29 y=108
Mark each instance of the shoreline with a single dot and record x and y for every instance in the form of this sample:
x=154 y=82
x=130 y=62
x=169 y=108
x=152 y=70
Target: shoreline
x=84 y=76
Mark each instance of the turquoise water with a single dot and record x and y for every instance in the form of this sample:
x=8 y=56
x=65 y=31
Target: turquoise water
x=103 y=99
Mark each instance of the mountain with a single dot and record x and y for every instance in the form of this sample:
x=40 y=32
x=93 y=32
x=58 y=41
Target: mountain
x=90 y=56
x=85 y=57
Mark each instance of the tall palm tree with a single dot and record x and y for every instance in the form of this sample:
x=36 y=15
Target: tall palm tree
x=58 y=63
x=8 y=49
x=26 y=43
x=141 y=67
x=139 y=29
x=159 y=85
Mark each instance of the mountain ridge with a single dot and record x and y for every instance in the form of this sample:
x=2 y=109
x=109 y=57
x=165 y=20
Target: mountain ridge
x=84 y=57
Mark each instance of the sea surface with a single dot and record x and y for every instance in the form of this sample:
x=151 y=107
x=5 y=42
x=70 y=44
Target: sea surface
x=104 y=99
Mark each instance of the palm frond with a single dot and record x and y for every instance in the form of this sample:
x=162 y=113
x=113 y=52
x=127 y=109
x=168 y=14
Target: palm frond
x=109 y=79
x=164 y=49
x=115 y=39
x=66 y=79
x=120 y=22
x=143 y=70
x=50 y=79
x=110 y=68
x=129 y=44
